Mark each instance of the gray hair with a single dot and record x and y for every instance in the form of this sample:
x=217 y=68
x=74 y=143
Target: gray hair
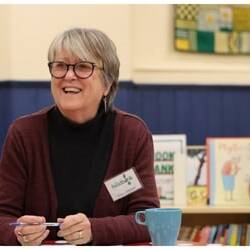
x=94 y=46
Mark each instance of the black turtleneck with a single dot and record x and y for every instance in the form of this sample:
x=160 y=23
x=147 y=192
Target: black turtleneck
x=73 y=152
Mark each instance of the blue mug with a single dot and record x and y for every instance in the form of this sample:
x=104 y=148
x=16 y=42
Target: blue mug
x=163 y=224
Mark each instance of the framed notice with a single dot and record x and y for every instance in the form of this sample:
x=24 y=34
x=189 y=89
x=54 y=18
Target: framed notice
x=170 y=168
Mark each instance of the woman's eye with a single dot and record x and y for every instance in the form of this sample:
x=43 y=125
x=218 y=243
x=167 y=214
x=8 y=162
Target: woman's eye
x=84 y=66
x=59 y=66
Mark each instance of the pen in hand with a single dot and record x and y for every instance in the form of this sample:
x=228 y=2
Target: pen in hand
x=48 y=224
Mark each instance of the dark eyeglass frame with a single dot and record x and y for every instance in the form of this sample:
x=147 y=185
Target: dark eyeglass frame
x=93 y=65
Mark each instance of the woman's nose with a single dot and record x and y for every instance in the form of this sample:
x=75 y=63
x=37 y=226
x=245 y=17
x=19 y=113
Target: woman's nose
x=70 y=73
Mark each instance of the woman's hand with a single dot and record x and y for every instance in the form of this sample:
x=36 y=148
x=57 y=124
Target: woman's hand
x=75 y=229
x=31 y=235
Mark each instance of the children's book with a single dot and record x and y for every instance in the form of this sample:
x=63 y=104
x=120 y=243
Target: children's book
x=196 y=230
x=248 y=235
x=219 y=234
x=196 y=176
x=243 y=235
x=170 y=168
x=213 y=233
x=229 y=171
x=204 y=235
x=234 y=235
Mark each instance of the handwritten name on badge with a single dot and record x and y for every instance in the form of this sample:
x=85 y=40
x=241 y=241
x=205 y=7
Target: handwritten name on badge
x=123 y=184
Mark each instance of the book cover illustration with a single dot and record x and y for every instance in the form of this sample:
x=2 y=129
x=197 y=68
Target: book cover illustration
x=196 y=176
x=229 y=171
x=170 y=168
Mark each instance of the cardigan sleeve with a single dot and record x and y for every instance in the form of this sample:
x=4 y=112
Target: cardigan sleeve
x=122 y=229
x=12 y=185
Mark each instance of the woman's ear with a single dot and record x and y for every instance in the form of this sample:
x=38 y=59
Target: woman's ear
x=107 y=89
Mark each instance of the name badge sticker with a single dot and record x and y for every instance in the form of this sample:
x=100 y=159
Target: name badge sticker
x=123 y=184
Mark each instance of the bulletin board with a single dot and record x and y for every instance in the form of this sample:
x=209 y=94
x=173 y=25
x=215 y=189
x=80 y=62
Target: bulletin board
x=215 y=29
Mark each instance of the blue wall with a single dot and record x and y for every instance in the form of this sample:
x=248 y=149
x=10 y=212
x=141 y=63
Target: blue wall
x=198 y=111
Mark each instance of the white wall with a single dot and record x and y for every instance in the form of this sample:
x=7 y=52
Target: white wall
x=32 y=28
x=4 y=44
x=143 y=35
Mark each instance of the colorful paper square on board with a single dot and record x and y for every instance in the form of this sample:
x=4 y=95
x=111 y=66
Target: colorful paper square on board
x=225 y=18
x=208 y=19
x=181 y=33
x=234 y=42
x=245 y=42
x=241 y=18
x=193 y=40
x=186 y=15
x=182 y=44
x=221 y=42
x=205 y=41
x=187 y=11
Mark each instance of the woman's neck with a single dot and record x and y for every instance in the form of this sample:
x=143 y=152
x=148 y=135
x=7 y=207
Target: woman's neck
x=78 y=116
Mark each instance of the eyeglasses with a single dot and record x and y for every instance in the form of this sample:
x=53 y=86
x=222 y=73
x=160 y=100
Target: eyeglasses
x=82 y=69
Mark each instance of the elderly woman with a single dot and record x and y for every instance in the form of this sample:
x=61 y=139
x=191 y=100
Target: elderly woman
x=81 y=162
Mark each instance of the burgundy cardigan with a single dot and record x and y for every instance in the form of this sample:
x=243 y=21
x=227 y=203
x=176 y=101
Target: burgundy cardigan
x=27 y=188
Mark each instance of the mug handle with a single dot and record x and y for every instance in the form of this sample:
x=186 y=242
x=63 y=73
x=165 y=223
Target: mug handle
x=138 y=216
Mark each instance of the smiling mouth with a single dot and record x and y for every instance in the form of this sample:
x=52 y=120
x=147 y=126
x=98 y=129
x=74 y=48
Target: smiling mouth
x=71 y=90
